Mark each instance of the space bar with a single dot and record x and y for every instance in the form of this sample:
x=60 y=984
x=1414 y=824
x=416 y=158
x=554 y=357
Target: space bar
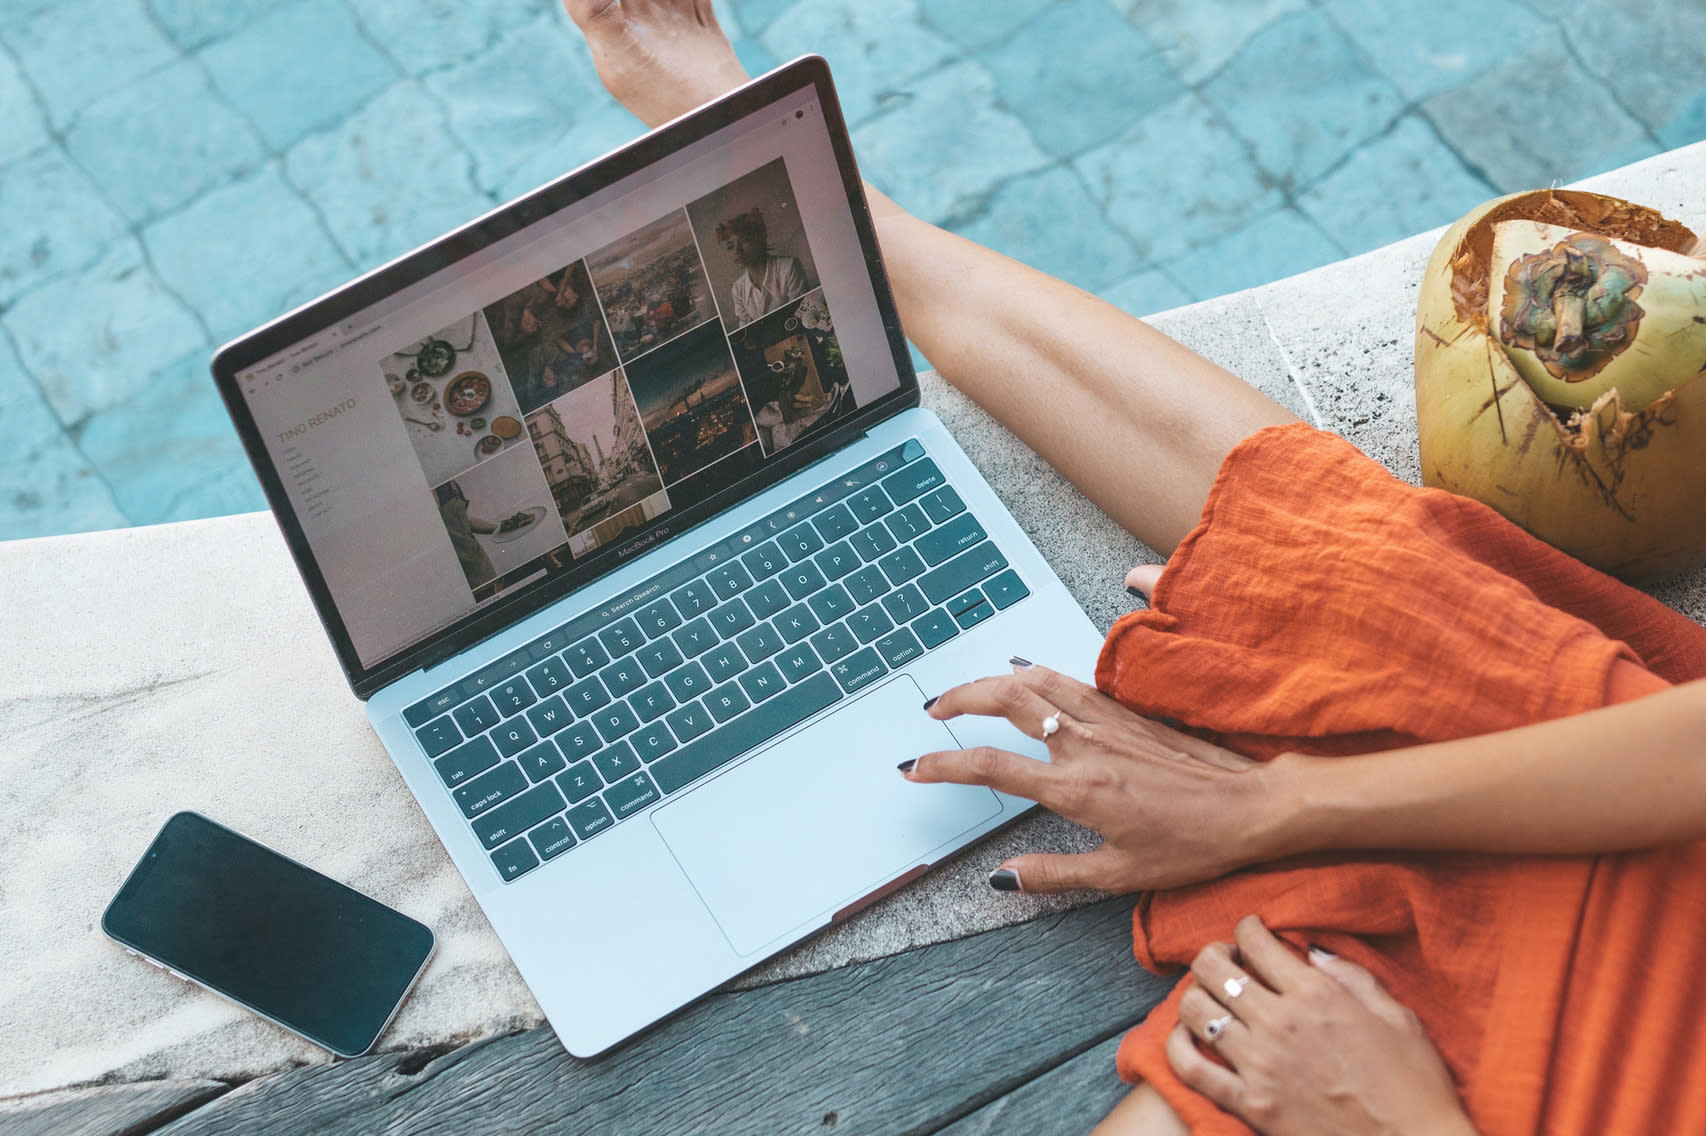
x=765 y=721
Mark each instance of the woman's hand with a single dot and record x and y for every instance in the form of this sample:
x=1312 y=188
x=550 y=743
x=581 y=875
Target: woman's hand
x=1317 y=1048
x=1171 y=809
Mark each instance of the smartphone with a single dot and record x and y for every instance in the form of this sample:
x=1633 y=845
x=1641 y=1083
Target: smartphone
x=294 y=946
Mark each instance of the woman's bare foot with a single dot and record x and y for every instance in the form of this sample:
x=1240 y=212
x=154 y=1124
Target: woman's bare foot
x=660 y=58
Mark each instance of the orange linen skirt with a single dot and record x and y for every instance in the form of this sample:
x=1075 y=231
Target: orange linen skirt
x=1326 y=607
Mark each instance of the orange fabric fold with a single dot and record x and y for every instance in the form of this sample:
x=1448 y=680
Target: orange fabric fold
x=1324 y=606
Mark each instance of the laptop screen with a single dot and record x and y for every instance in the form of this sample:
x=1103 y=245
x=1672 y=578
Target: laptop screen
x=547 y=404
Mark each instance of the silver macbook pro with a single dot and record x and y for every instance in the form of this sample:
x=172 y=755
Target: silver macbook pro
x=620 y=511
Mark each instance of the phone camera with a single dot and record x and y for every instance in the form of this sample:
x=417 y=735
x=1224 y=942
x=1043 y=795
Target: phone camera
x=799 y=114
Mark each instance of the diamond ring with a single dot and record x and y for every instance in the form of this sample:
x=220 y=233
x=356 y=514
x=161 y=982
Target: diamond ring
x=1235 y=986
x=1214 y=1027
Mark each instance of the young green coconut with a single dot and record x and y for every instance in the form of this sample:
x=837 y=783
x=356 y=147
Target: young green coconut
x=1561 y=376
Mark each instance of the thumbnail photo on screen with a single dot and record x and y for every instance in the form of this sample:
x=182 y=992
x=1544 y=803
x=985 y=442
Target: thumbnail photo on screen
x=754 y=244
x=691 y=403
x=454 y=398
x=652 y=285
x=499 y=518
x=790 y=364
x=551 y=336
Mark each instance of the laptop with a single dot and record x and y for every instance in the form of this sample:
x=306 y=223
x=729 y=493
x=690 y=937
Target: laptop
x=620 y=510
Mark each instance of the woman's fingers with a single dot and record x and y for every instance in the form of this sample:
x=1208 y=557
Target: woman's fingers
x=1001 y=696
x=1364 y=987
x=1101 y=869
x=1267 y=958
x=1214 y=1025
x=998 y=769
x=1230 y=984
x=1216 y=1082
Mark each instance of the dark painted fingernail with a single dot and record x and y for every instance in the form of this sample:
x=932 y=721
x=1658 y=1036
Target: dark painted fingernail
x=905 y=767
x=1004 y=879
x=929 y=702
x=1137 y=591
x=1021 y=661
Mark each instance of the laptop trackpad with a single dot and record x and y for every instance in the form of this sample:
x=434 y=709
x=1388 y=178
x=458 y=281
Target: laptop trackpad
x=819 y=820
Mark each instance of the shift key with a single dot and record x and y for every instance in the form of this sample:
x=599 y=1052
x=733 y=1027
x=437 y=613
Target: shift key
x=962 y=572
x=521 y=814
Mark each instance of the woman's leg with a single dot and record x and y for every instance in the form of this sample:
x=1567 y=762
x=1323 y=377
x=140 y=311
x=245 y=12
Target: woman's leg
x=1136 y=421
x=1141 y=1112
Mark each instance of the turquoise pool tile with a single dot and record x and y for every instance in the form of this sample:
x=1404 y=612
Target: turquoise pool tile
x=1198 y=37
x=1301 y=96
x=876 y=48
x=754 y=56
x=947 y=146
x=301 y=68
x=388 y=179
x=1428 y=48
x=197 y=23
x=285 y=256
x=1689 y=124
x=755 y=15
x=22 y=130
x=154 y=145
x=92 y=339
x=170 y=446
x=1049 y=221
x=1400 y=184
x=16 y=11
x=1277 y=245
x=1146 y=293
x=1537 y=118
x=425 y=35
x=1651 y=52
x=76 y=51
x=46 y=486
x=1178 y=179
x=976 y=24
x=69 y=223
x=1078 y=74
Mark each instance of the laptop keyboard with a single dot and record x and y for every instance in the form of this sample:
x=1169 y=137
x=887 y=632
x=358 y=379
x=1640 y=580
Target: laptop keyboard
x=585 y=727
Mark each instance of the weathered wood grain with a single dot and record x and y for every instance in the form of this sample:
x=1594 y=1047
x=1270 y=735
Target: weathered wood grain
x=905 y=1044
x=106 y=1110
x=1068 y=1100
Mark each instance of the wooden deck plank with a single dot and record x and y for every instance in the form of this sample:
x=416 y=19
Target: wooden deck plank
x=1068 y=1100
x=105 y=1110
x=905 y=1044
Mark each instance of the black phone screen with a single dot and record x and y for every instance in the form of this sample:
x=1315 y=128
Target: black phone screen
x=281 y=939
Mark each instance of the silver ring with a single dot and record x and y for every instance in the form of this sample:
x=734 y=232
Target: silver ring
x=1214 y=1027
x=1051 y=726
x=1235 y=986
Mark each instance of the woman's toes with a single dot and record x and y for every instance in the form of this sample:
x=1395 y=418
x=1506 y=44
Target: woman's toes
x=1141 y=581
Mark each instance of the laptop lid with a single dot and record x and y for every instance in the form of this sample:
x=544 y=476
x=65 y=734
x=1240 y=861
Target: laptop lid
x=478 y=428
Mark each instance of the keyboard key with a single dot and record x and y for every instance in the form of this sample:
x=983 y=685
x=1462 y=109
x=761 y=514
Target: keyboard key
x=729 y=581
x=541 y=761
x=489 y=676
x=550 y=676
x=490 y=789
x=437 y=736
x=431 y=707
x=651 y=702
x=767 y=599
x=866 y=584
x=465 y=761
x=761 y=682
x=630 y=795
x=547 y=645
x=916 y=479
x=800 y=542
x=552 y=838
x=659 y=658
x=831 y=604
x=476 y=717
x=761 y=642
x=615 y=721
x=590 y=818
x=765 y=561
x=957 y=535
x=837 y=560
x=695 y=638
x=551 y=715
x=579 y=740
x=873 y=542
x=936 y=628
x=906 y=604
x=835 y=522
x=796 y=623
x=579 y=781
x=687 y=682
x=901 y=565
x=616 y=762
x=802 y=580
x=518 y=815
x=694 y=599
x=870 y=622
x=659 y=618
x=621 y=676
x=727 y=701
x=585 y=657
x=797 y=662
x=1006 y=589
x=689 y=721
x=962 y=572
x=586 y=696
x=899 y=648
x=907 y=523
x=723 y=662
x=975 y=614
x=869 y=504
x=859 y=669
x=652 y=742
x=731 y=619
x=835 y=642
x=699 y=757
x=941 y=504
x=514 y=736
x=621 y=637
x=514 y=860
x=513 y=696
